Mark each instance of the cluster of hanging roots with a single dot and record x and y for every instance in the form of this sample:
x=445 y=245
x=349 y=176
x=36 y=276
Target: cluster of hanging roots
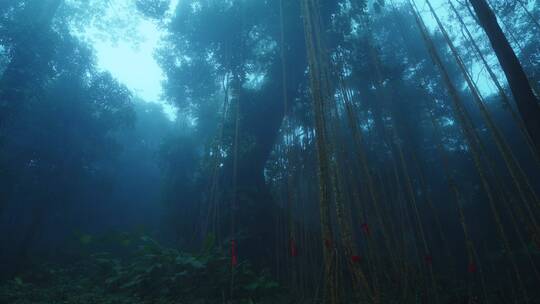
x=376 y=247
x=395 y=263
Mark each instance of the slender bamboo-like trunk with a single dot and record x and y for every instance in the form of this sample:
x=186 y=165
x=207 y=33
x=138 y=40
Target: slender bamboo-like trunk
x=320 y=101
x=367 y=175
x=473 y=262
x=374 y=258
x=291 y=240
x=472 y=140
x=234 y=200
x=520 y=180
x=398 y=162
x=504 y=98
x=211 y=222
x=526 y=101
x=410 y=189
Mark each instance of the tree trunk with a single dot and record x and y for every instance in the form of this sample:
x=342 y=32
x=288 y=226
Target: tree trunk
x=261 y=115
x=526 y=101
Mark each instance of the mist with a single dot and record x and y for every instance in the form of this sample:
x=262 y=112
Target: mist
x=239 y=151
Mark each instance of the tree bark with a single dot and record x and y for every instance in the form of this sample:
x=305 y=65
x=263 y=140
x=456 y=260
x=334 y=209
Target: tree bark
x=526 y=101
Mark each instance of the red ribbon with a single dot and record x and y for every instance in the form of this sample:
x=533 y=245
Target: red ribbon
x=428 y=259
x=356 y=259
x=471 y=268
x=292 y=246
x=234 y=255
x=365 y=228
x=328 y=244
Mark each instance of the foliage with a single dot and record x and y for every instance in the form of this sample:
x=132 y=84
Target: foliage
x=153 y=274
x=158 y=272
x=154 y=9
x=59 y=116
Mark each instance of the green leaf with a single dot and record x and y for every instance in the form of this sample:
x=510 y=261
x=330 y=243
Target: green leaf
x=18 y=281
x=253 y=286
x=86 y=239
x=209 y=242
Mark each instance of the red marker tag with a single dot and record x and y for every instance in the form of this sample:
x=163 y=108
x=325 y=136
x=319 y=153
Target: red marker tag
x=471 y=268
x=294 y=249
x=234 y=255
x=428 y=259
x=356 y=259
x=365 y=228
x=328 y=244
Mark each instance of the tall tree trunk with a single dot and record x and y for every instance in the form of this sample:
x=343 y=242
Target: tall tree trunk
x=526 y=101
x=261 y=114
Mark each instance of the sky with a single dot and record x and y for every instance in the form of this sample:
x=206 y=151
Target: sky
x=134 y=64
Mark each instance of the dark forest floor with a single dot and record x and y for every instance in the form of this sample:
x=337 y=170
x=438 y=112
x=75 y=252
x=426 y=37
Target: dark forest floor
x=64 y=286
x=63 y=290
x=145 y=272
x=149 y=274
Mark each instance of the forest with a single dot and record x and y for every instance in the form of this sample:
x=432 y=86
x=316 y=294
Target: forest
x=290 y=151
